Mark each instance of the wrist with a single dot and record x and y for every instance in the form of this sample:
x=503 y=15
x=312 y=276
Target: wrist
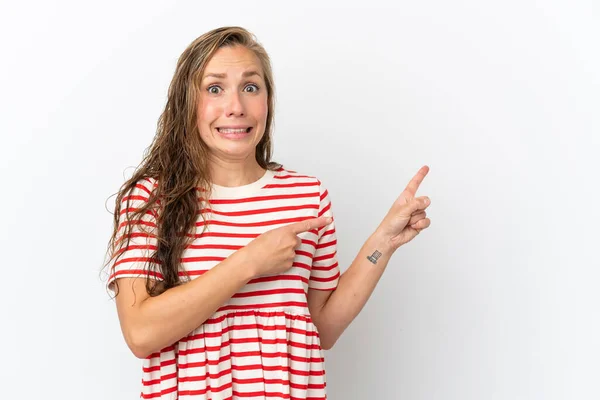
x=382 y=242
x=243 y=264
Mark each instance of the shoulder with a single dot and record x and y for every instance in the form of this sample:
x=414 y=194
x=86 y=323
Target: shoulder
x=139 y=192
x=299 y=178
x=144 y=186
x=292 y=175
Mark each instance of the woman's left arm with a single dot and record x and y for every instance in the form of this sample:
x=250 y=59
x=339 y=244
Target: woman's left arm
x=333 y=311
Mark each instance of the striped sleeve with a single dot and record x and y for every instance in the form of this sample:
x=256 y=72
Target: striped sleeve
x=134 y=257
x=325 y=272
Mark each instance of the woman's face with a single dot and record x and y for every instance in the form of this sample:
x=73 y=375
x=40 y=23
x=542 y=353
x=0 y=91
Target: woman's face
x=232 y=106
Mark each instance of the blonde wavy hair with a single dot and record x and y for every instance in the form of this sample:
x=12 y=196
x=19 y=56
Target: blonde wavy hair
x=178 y=159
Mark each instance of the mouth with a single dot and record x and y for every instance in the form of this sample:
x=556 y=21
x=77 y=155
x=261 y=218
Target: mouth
x=234 y=131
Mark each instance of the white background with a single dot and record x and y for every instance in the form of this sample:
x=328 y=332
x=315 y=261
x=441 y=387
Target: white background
x=498 y=299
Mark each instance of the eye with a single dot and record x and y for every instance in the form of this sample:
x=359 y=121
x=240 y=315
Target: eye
x=211 y=91
x=252 y=85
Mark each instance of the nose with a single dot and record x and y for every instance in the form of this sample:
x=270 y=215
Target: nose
x=234 y=105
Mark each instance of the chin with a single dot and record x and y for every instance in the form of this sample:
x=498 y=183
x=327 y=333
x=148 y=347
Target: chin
x=240 y=151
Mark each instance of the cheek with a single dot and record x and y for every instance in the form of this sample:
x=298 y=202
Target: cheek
x=262 y=109
x=207 y=113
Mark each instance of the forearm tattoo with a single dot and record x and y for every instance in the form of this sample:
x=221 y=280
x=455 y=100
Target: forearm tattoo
x=373 y=257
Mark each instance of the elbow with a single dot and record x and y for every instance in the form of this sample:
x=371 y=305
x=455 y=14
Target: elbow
x=140 y=352
x=327 y=345
x=327 y=338
x=138 y=344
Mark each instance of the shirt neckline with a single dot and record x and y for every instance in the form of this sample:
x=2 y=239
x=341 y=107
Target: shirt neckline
x=219 y=191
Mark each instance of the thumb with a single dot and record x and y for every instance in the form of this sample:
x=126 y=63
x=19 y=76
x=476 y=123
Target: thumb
x=417 y=204
x=309 y=224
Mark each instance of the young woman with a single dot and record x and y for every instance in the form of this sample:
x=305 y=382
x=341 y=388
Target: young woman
x=240 y=288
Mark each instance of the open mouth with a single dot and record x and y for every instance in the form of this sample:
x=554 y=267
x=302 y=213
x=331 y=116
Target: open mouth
x=235 y=130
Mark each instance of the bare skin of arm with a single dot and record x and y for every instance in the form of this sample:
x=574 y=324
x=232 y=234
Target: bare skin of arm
x=152 y=323
x=333 y=311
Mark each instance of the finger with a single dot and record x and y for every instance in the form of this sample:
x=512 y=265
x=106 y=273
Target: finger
x=418 y=204
x=425 y=202
x=422 y=224
x=309 y=224
x=417 y=217
x=415 y=182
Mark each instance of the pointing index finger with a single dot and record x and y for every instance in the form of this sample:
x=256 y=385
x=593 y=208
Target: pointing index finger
x=415 y=182
x=309 y=224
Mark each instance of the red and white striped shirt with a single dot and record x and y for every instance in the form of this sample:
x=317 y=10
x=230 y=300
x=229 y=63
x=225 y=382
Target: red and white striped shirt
x=262 y=343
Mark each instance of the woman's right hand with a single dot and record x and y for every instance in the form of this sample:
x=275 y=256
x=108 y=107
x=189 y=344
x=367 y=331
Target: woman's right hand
x=273 y=252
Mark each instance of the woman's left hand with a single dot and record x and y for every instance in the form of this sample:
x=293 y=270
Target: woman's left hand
x=407 y=216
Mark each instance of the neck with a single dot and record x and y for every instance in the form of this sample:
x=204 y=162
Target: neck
x=232 y=174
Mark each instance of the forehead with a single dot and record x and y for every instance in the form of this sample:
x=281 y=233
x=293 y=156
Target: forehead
x=233 y=61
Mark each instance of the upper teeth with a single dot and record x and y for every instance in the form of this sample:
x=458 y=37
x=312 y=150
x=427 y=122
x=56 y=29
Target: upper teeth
x=228 y=130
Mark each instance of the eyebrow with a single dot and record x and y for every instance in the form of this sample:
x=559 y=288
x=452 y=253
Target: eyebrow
x=217 y=75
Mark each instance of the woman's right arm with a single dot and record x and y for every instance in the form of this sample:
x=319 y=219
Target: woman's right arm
x=153 y=323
